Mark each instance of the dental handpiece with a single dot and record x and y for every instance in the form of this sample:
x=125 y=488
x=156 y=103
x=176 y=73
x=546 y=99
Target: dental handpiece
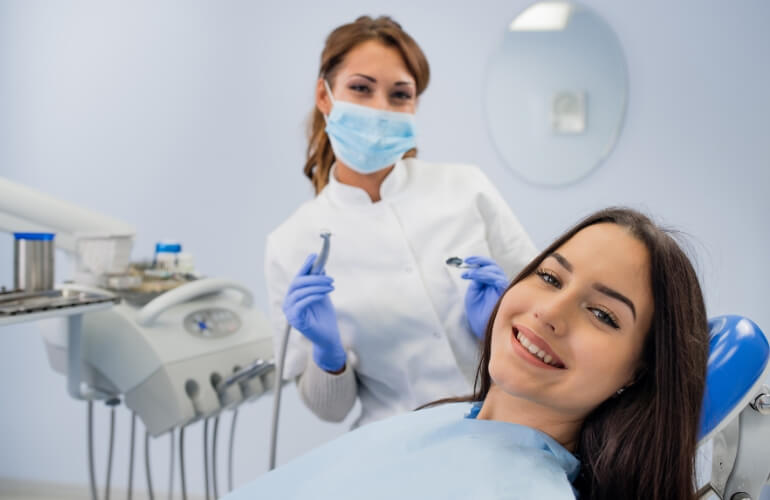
x=320 y=261
x=317 y=268
x=254 y=369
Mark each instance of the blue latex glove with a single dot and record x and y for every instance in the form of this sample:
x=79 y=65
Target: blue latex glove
x=309 y=309
x=488 y=282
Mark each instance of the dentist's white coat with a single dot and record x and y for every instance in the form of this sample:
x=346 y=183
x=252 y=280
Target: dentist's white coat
x=400 y=308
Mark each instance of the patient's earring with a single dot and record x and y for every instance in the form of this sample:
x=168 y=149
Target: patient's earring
x=620 y=391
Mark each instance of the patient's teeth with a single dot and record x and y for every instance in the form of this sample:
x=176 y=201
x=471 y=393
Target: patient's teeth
x=533 y=349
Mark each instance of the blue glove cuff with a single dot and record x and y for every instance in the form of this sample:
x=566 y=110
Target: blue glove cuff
x=330 y=360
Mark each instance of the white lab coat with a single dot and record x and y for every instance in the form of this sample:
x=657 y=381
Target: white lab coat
x=400 y=308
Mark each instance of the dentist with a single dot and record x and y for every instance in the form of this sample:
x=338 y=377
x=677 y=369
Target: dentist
x=401 y=328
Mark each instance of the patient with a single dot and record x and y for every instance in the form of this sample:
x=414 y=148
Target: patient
x=590 y=384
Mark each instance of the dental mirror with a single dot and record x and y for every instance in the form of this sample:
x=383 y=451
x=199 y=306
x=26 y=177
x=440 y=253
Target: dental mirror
x=454 y=261
x=459 y=263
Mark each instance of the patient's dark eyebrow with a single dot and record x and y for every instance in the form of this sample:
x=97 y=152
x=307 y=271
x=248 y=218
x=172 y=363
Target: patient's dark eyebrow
x=616 y=295
x=564 y=262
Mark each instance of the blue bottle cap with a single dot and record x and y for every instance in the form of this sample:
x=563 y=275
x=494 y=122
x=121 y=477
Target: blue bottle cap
x=34 y=236
x=168 y=247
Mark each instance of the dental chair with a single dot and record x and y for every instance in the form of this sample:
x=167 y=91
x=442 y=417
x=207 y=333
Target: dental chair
x=734 y=445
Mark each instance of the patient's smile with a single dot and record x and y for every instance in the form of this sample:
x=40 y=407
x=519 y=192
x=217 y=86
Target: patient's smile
x=536 y=351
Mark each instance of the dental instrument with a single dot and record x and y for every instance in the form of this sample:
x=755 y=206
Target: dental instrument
x=459 y=263
x=317 y=268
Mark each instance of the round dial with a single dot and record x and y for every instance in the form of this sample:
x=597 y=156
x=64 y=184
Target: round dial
x=212 y=322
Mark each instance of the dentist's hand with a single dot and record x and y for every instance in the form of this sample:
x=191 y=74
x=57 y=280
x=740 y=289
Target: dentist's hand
x=309 y=309
x=488 y=282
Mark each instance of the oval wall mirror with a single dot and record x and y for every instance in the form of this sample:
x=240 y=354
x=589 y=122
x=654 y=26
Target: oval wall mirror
x=556 y=92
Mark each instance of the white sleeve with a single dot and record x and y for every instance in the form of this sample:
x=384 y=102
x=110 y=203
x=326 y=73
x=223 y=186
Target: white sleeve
x=509 y=243
x=277 y=278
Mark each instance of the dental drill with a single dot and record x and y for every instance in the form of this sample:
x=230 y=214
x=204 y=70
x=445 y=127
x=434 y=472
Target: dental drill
x=318 y=267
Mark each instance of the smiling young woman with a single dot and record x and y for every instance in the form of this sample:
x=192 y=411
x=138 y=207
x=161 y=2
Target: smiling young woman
x=615 y=308
x=588 y=308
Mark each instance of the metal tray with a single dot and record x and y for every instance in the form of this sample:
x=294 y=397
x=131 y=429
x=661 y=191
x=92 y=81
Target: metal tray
x=18 y=302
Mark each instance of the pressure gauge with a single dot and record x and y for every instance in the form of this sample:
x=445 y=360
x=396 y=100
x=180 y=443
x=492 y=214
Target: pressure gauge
x=212 y=322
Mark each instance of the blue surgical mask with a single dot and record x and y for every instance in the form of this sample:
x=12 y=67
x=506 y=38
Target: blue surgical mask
x=368 y=139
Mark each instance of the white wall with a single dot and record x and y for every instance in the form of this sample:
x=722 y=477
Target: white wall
x=185 y=118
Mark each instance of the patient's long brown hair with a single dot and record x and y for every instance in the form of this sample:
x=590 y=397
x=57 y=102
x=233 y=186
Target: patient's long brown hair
x=342 y=40
x=641 y=444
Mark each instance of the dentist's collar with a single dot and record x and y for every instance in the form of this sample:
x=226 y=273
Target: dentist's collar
x=346 y=195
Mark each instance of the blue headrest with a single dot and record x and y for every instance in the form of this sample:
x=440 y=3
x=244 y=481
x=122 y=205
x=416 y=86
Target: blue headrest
x=738 y=354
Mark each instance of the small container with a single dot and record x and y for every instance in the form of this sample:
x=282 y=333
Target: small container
x=166 y=253
x=33 y=261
